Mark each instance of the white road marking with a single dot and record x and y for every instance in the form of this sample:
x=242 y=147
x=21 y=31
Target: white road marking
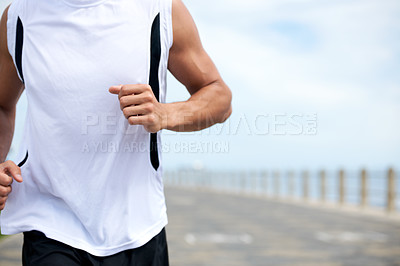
x=351 y=237
x=218 y=238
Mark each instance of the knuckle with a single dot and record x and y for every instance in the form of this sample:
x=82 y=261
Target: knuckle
x=11 y=165
x=148 y=97
x=151 y=119
x=3 y=200
x=6 y=179
x=125 y=111
x=124 y=101
x=124 y=90
x=149 y=107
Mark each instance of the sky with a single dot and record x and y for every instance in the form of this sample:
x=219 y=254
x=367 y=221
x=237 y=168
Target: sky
x=316 y=84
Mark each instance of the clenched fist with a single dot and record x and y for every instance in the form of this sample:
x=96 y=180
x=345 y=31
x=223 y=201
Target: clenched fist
x=140 y=106
x=8 y=172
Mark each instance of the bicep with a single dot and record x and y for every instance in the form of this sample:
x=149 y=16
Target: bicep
x=11 y=86
x=188 y=61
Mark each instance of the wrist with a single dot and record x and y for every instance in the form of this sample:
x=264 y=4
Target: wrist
x=167 y=121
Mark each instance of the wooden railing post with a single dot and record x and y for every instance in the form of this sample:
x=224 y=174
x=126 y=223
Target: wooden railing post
x=226 y=181
x=243 y=182
x=210 y=179
x=391 y=194
x=264 y=184
x=364 y=189
x=305 y=185
x=230 y=181
x=216 y=180
x=322 y=176
x=276 y=175
x=178 y=177
x=291 y=184
x=166 y=177
x=223 y=181
x=204 y=180
x=253 y=178
x=233 y=181
x=237 y=182
x=192 y=178
x=341 y=187
x=184 y=178
x=220 y=181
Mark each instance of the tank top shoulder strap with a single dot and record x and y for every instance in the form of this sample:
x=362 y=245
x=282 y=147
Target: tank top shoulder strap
x=166 y=21
x=15 y=33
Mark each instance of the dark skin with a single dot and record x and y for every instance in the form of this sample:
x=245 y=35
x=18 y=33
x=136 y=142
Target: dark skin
x=209 y=103
x=10 y=90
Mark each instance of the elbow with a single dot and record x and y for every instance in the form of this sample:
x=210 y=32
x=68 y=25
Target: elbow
x=8 y=110
x=227 y=111
x=226 y=115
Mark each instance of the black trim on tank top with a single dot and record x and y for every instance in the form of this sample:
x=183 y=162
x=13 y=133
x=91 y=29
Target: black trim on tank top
x=19 y=42
x=155 y=52
x=24 y=160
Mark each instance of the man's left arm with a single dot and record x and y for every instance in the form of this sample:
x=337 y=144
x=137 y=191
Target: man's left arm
x=210 y=100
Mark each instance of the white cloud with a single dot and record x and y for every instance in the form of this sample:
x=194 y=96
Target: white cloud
x=347 y=76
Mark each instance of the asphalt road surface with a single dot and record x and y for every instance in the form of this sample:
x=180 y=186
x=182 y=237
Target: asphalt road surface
x=209 y=228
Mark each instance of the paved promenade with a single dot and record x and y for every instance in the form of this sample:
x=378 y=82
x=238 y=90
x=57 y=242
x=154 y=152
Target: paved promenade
x=207 y=228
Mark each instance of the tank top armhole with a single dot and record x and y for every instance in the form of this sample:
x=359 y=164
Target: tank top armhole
x=11 y=30
x=13 y=17
x=166 y=14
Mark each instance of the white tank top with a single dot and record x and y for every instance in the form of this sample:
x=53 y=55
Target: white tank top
x=91 y=180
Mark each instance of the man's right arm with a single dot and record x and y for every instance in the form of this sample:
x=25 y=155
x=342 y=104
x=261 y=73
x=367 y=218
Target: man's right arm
x=11 y=88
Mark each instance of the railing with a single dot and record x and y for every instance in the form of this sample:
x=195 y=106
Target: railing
x=363 y=188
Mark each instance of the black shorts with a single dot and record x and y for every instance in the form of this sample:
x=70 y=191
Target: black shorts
x=38 y=250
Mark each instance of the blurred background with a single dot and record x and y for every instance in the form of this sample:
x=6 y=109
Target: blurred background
x=316 y=86
x=290 y=63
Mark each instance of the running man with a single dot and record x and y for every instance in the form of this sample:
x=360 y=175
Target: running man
x=86 y=186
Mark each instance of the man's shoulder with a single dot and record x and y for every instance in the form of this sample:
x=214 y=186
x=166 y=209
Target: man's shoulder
x=3 y=31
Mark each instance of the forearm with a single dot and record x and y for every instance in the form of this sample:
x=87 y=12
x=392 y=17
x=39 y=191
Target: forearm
x=208 y=106
x=7 y=121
